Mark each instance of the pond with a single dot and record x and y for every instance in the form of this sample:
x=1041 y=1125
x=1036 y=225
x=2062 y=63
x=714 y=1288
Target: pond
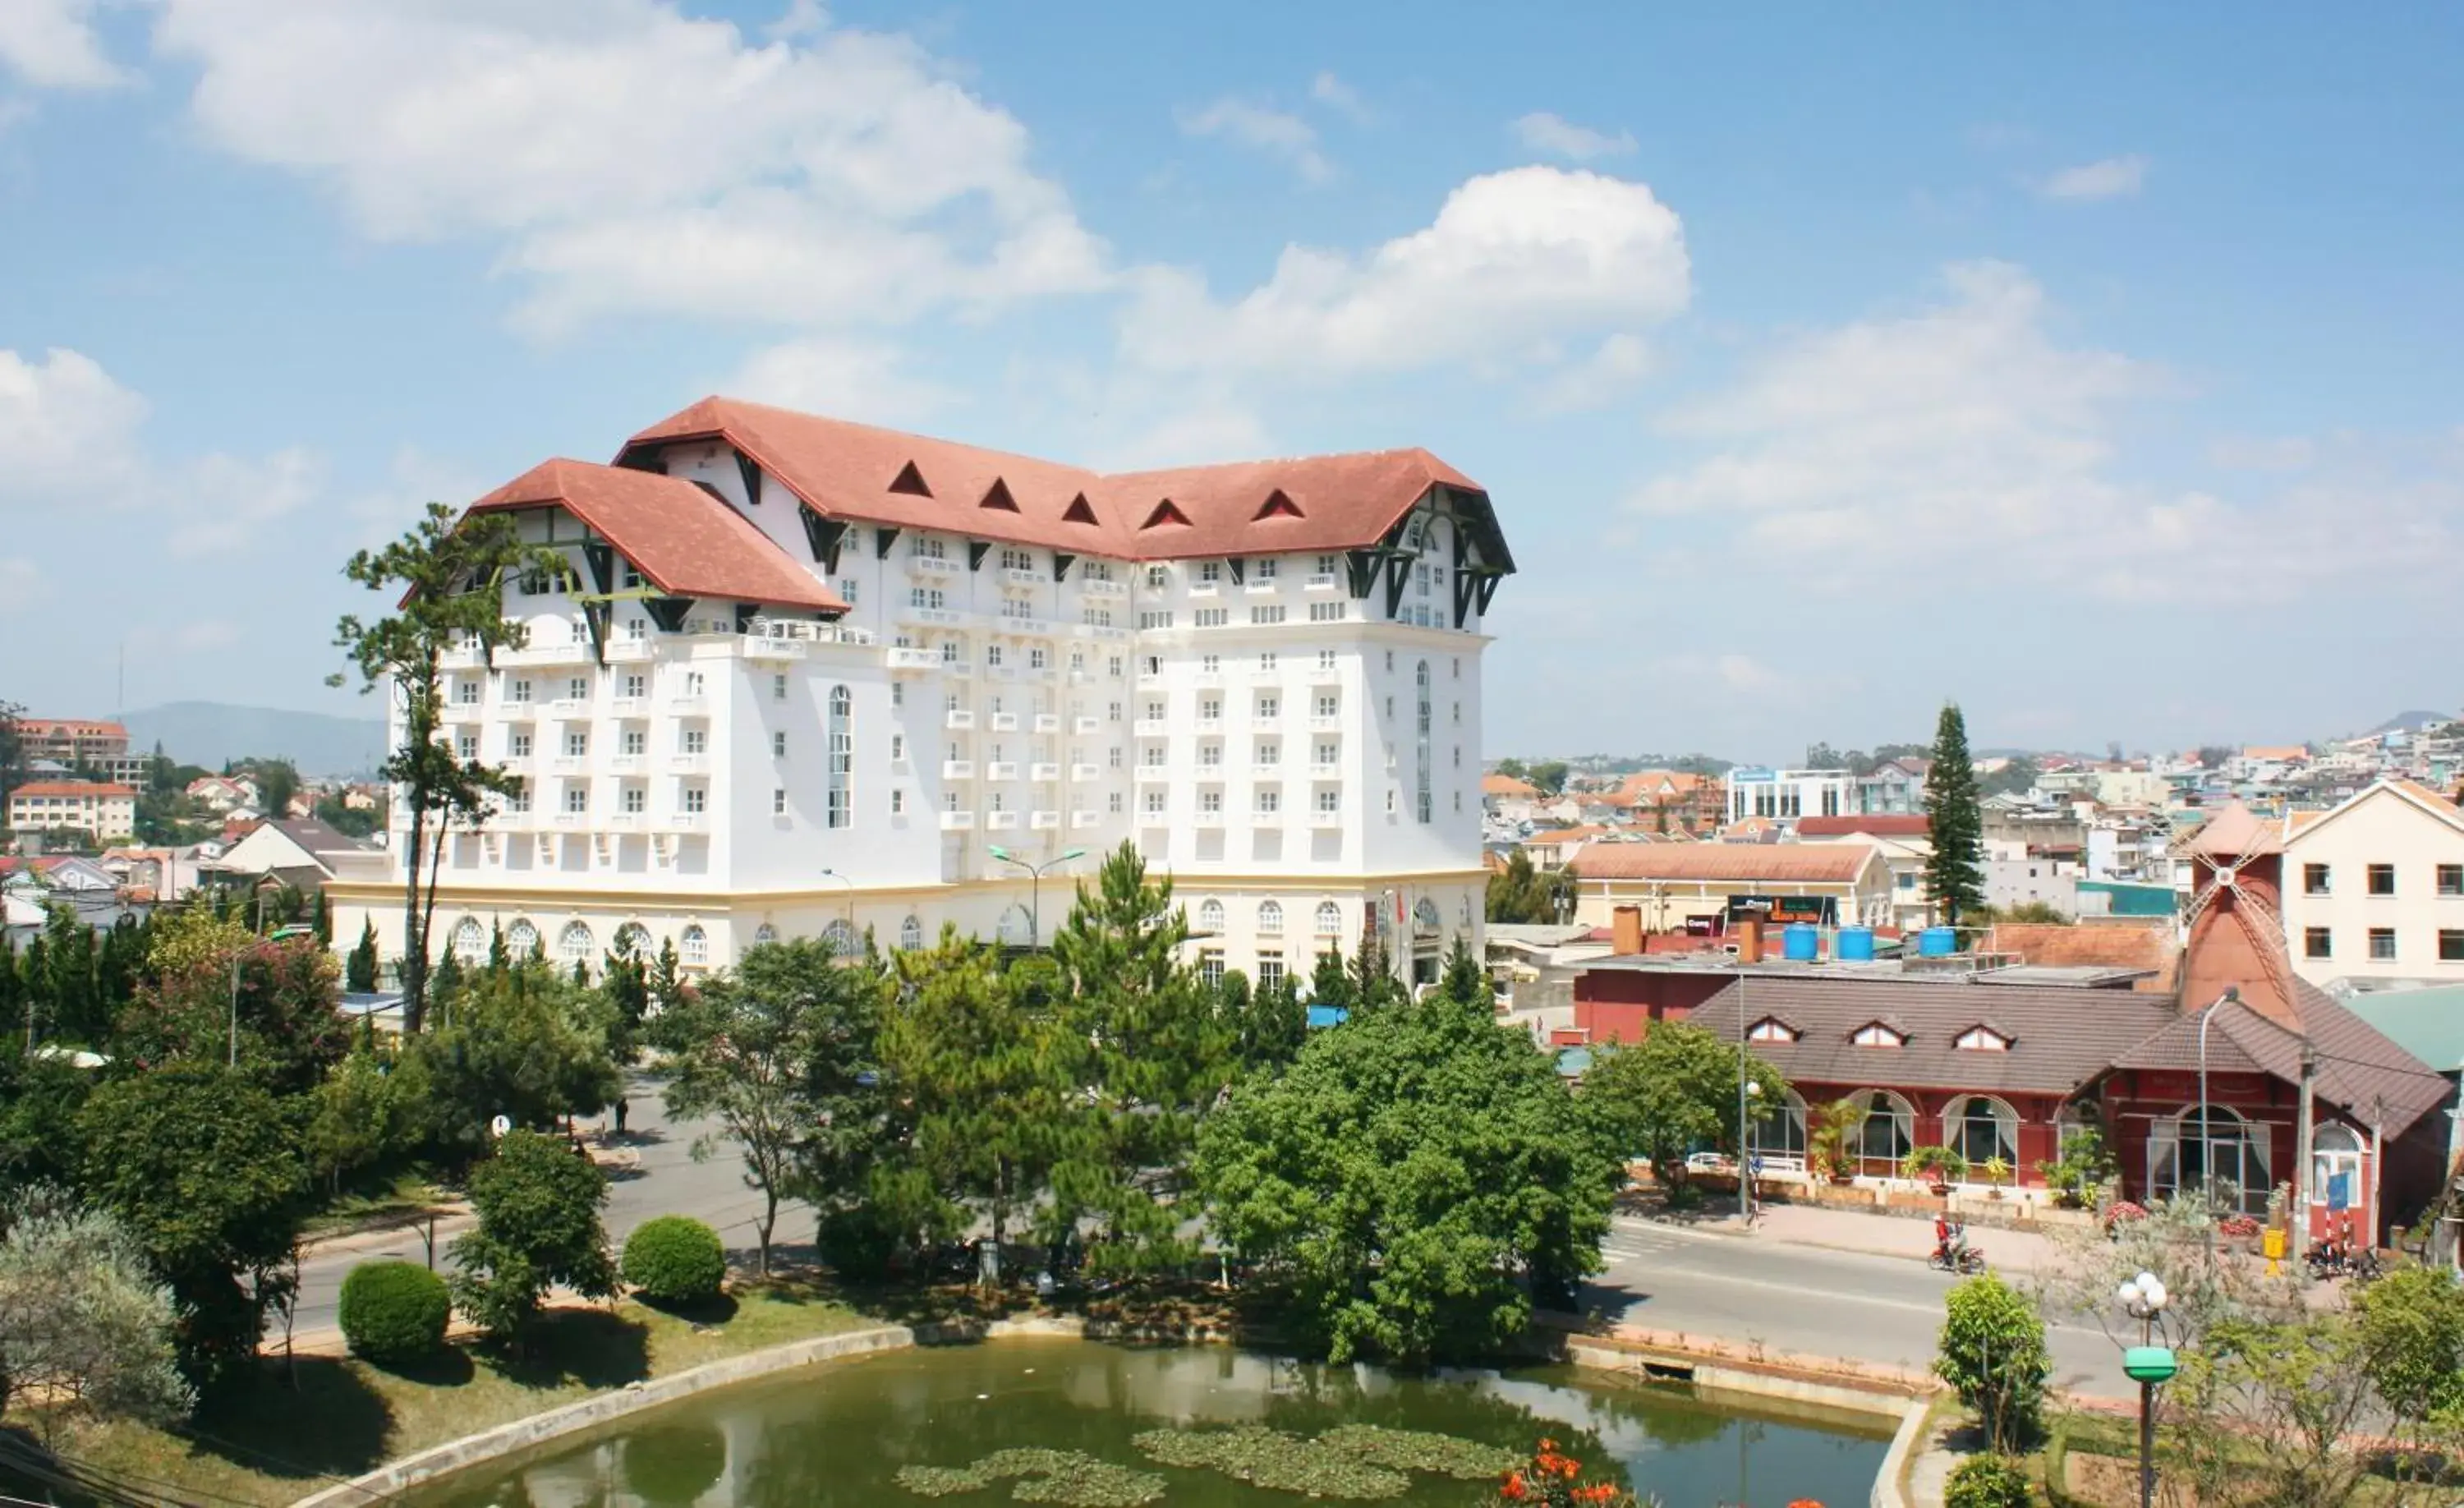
x=855 y=1433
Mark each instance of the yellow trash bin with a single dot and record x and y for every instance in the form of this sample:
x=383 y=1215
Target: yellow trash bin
x=2271 y=1245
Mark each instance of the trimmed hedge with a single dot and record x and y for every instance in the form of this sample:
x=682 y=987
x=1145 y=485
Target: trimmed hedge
x=676 y=1260
x=395 y=1311
x=1987 y=1482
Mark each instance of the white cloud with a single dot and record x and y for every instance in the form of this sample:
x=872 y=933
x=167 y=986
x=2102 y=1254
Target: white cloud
x=1544 y=132
x=1335 y=95
x=1963 y=438
x=1512 y=262
x=51 y=44
x=75 y=438
x=630 y=158
x=1275 y=132
x=2113 y=177
x=1622 y=361
x=863 y=381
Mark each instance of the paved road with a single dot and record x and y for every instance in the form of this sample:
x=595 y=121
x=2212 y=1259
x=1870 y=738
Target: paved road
x=666 y=1181
x=1810 y=1301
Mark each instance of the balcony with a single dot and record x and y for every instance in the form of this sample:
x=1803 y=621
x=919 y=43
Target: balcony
x=1005 y=722
x=1322 y=818
x=1101 y=631
x=997 y=671
x=932 y=566
x=1084 y=724
x=1213 y=819
x=1044 y=821
x=1153 y=773
x=1002 y=769
x=1326 y=676
x=628 y=707
x=1210 y=725
x=1203 y=588
x=685 y=822
x=1266 y=720
x=1040 y=629
x=1095 y=588
x=1149 y=680
x=906 y=657
x=1001 y=821
x=1326 y=771
x=626 y=821
x=627 y=763
x=572 y=709
x=1324 y=724
x=1211 y=768
x=944 y=617
x=1268 y=771
x=1321 y=582
x=957 y=668
x=1259 y=585
x=958 y=769
x=1042 y=772
x=1154 y=727
x=688 y=704
x=957 y=822
x=959 y=719
x=688 y=763
x=1017 y=576
x=1085 y=818
x=464 y=711
x=1086 y=771
x=571 y=652
x=570 y=819
x=1047 y=723
x=628 y=651
x=570 y=764
x=773 y=649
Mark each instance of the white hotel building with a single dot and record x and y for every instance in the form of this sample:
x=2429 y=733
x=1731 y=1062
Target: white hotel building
x=807 y=675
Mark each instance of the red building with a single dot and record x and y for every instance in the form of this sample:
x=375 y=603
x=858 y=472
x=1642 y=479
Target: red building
x=1999 y=1061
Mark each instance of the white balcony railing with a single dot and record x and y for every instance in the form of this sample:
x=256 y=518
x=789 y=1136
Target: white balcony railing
x=958 y=769
x=1001 y=821
x=688 y=763
x=628 y=707
x=570 y=819
x=1018 y=576
x=906 y=657
x=1153 y=727
x=1213 y=819
x=914 y=614
x=685 y=822
x=1047 y=723
x=1153 y=773
x=1322 y=581
x=464 y=711
x=1086 y=771
x=1095 y=588
x=1084 y=724
x=1043 y=771
x=932 y=566
x=1319 y=816
x=574 y=709
x=959 y=719
x=1002 y=769
x=626 y=763
x=570 y=764
x=957 y=821
x=1044 y=821
x=1005 y=722
x=1085 y=818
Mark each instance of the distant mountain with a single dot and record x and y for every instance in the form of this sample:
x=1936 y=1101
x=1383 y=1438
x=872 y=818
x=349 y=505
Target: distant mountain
x=2408 y=721
x=213 y=734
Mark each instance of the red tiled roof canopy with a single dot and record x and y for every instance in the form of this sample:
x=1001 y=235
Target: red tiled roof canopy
x=1327 y=502
x=685 y=542
x=70 y=788
x=1888 y=825
x=1835 y=863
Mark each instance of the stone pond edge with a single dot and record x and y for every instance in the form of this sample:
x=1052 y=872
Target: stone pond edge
x=1705 y=1369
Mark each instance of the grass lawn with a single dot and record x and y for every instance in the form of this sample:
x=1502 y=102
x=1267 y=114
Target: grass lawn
x=276 y=1442
x=407 y=1196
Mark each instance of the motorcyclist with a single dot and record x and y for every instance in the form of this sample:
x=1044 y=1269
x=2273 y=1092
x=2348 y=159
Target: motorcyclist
x=1944 y=1234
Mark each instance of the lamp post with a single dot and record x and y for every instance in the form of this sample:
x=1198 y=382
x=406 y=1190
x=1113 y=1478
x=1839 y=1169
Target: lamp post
x=833 y=874
x=2146 y=1364
x=2207 y=1141
x=1746 y=1089
x=1035 y=886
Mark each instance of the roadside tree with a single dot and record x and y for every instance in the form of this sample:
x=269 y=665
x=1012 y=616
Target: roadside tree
x=1675 y=1091
x=83 y=1322
x=539 y=1205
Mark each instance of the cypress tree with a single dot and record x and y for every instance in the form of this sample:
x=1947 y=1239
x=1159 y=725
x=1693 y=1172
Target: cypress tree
x=1955 y=870
x=500 y=957
x=322 y=918
x=359 y=969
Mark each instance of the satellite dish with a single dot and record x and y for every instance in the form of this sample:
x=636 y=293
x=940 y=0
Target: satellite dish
x=499 y=1127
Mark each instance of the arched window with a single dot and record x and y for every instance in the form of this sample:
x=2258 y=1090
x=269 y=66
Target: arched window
x=1777 y=1137
x=1980 y=1129
x=841 y=754
x=469 y=939
x=1426 y=922
x=1270 y=918
x=911 y=931
x=1210 y=915
x=1017 y=926
x=2229 y=1161
x=2336 y=1164
x=575 y=942
x=1467 y=910
x=633 y=941
x=1427 y=802
x=695 y=946
x=764 y=935
x=1329 y=919
x=839 y=937
x=1886 y=1134
x=521 y=939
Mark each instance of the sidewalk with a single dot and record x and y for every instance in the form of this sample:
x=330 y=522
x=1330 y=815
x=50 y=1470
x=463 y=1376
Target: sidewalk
x=1872 y=1235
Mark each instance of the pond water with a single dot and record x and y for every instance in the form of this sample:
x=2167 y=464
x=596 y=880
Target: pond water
x=839 y=1433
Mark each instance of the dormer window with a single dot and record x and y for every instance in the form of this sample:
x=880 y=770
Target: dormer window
x=1876 y=1034
x=1982 y=1039
x=1772 y=1029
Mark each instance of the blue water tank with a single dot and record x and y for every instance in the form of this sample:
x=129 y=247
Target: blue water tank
x=1856 y=945
x=1800 y=944
x=1937 y=942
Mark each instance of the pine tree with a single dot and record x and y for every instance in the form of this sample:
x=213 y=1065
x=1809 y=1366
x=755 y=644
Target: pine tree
x=500 y=957
x=322 y=918
x=1331 y=986
x=359 y=969
x=1954 y=871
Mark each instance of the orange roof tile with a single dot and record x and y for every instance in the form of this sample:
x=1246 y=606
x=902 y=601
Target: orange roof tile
x=1831 y=864
x=70 y=788
x=1506 y=785
x=685 y=542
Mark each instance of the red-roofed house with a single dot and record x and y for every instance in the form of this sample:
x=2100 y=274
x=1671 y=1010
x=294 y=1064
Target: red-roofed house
x=1674 y=883
x=108 y=812
x=801 y=676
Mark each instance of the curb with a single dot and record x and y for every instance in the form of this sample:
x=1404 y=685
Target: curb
x=1902 y=1453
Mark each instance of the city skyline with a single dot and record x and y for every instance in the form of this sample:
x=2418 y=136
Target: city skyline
x=2117 y=335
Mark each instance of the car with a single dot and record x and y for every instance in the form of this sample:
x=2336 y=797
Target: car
x=1711 y=1163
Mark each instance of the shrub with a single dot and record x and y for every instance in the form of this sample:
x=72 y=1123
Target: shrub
x=83 y=1324
x=1987 y=1482
x=395 y=1311
x=676 y=1260
x=1993 y=1354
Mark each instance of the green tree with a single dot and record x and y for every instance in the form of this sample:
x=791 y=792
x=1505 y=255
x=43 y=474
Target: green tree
x=277 y=781
x=1407 y=1177
x=2016 y=777
x=1955 y=871
x=518 y=1044
x=83 y=1323
x=1511 y=769
x=214 y=995
x=1268 y=1025
x=448 y=578
x=320 y=921
x=1993 y=1354
x=12 y=752
x=1157 y=1057
x=539 y=1228
x=1548 y=776
x=2412 y=1336
x=361 y=1119
x=349 y=820
x=989 y=1081
x=1330 y=983
x=204 y=1165
x=359 y=969
x=1675 y=1091
x=1521 y=893
x=784 y=1055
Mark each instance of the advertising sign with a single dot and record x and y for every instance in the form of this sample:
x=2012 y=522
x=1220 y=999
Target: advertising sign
x=1779 y=911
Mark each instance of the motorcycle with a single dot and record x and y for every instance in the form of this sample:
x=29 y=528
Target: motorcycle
x=1956 y=1256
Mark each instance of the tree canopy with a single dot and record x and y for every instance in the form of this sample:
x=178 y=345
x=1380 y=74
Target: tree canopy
x=1675 y=1091
x=1954 y=868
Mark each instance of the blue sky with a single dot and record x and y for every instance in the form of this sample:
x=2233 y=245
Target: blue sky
x=2097 y=367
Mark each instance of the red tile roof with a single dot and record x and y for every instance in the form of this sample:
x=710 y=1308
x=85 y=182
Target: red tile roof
x=687 y=542
x=1883 y=825
x=72 y=727
x=1833 y=863
x=70 y=788
x=1327 y=502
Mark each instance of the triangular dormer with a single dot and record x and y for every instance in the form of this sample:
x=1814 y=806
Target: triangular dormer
x=998 y=496
x=1278 y=505
x=1166 y=511
x=1983 y=1037
x=1079 y=511
x=1772 y=1029
x=910 y=481
x=1877 y=1034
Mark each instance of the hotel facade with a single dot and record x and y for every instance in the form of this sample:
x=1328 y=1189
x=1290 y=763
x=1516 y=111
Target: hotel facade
x=802 y=677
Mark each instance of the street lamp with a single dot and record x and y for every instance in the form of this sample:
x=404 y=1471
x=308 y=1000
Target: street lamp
x=833 y=874
x=2146 y=1364
x=2207 y=1139
x=1035 y=886
x=1746 y=1148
